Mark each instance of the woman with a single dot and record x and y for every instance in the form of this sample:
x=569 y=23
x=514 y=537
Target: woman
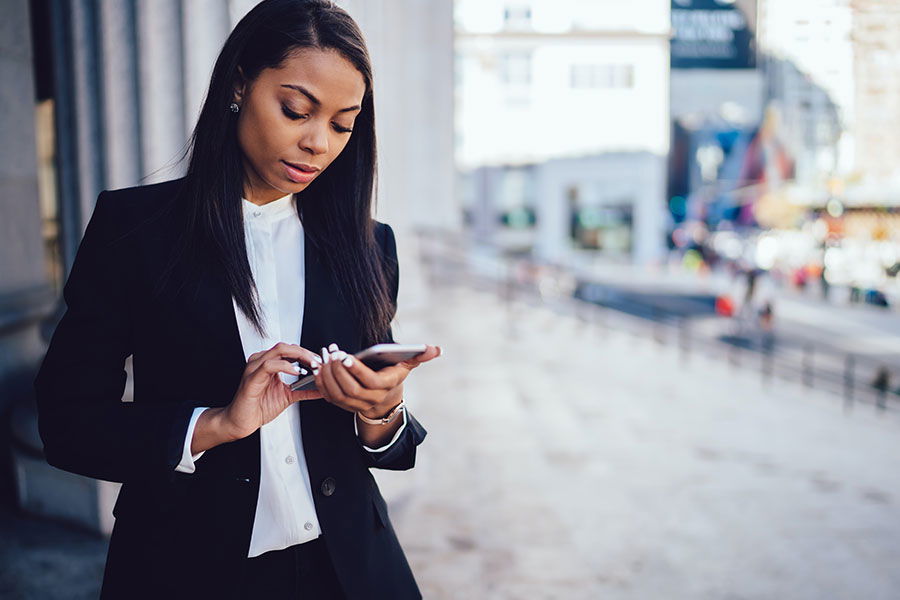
x=222 y=285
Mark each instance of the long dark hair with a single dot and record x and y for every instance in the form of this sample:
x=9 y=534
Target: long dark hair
x=336 y=208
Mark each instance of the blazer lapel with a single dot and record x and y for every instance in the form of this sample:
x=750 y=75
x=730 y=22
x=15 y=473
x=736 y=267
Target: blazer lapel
x=209 y=305
x=326 y=318
x=313 y=332
x=201 y=299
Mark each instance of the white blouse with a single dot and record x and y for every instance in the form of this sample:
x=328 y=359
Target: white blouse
x=285 y=512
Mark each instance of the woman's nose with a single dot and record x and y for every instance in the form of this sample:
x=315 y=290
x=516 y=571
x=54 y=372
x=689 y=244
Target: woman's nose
x=315 y=140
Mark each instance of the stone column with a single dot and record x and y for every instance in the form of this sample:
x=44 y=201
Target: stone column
x=122 y=105
x=205 y=27
x=88 y=100
x=161 y=90
x=39 y=488
x=24 y=282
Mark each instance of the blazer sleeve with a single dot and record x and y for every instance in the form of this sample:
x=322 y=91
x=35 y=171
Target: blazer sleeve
x=85 y=426
x=401 y=455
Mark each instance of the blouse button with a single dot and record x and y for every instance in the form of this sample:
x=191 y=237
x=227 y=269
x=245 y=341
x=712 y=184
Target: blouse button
x=307 y=526
x=289 y=459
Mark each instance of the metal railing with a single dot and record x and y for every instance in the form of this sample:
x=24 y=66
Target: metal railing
x=447 y=258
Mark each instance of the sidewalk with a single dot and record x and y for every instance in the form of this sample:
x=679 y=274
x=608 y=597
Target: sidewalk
x=44 y=560
x=571 y=462
x=566 y=462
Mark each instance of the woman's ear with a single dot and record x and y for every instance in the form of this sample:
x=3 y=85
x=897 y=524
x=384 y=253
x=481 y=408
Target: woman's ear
x=239 y=85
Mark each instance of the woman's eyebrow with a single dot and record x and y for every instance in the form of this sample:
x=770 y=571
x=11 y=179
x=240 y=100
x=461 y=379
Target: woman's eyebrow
x=313 y=99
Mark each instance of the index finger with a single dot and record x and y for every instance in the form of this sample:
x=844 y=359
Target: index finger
x=283 y=349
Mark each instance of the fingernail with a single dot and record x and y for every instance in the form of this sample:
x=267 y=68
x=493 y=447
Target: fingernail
x=324 y=355
x=340 y=355
x=297 y=369
x=333 y=347
x=315 y=371
x=315 y=361
x=303 y=371
x=348 y=362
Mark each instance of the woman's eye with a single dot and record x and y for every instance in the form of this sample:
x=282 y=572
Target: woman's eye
x=294 y=116
x=291 y=114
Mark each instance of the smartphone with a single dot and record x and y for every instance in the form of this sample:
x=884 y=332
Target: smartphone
x=375 y=357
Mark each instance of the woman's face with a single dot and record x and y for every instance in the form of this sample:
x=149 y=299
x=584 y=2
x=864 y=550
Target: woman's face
x=299 y=114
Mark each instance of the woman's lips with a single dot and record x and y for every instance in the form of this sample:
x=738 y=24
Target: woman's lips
x=298 y=175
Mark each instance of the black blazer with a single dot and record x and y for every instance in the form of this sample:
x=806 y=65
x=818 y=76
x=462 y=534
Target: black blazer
x=187 y=535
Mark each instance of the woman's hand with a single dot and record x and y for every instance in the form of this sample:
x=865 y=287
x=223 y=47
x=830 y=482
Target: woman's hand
x=262 y=395
x=350 y=384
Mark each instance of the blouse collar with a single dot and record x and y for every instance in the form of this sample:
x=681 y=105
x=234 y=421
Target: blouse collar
x=276 y=209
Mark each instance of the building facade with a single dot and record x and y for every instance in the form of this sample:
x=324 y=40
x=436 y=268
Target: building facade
x=810 y=82
x=550 y=81
x=876 y=61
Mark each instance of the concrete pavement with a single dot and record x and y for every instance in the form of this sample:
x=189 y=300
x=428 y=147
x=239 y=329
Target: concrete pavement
x=565 y=461
x=568 y=462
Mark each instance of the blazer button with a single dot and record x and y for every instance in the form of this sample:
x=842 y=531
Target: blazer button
x=328 y=486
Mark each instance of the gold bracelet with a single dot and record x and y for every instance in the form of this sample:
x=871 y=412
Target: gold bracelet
x=386 y=419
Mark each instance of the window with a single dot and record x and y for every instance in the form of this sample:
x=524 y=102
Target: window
x=517 y=17
x=515 y=68
x=601 y=76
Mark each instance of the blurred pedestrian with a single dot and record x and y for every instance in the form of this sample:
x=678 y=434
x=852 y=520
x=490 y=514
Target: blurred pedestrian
x=882 y=383
x=767 y=324
x=800 y=278
x=824 y=283
x=749 y=292
x=223 y=285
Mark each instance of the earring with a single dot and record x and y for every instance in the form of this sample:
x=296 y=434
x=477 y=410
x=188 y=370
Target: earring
x=234 y=107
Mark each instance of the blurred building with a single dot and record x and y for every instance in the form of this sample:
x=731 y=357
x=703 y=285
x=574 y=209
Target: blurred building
x=809 y=70
x=104 y=94
x=592 y=207
x=797 y=91
x=832 y=76
x=572 y=92
x=815 y=163
x=832 y=73
x=876 y=55
x=718 y=100
x=714 y=61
